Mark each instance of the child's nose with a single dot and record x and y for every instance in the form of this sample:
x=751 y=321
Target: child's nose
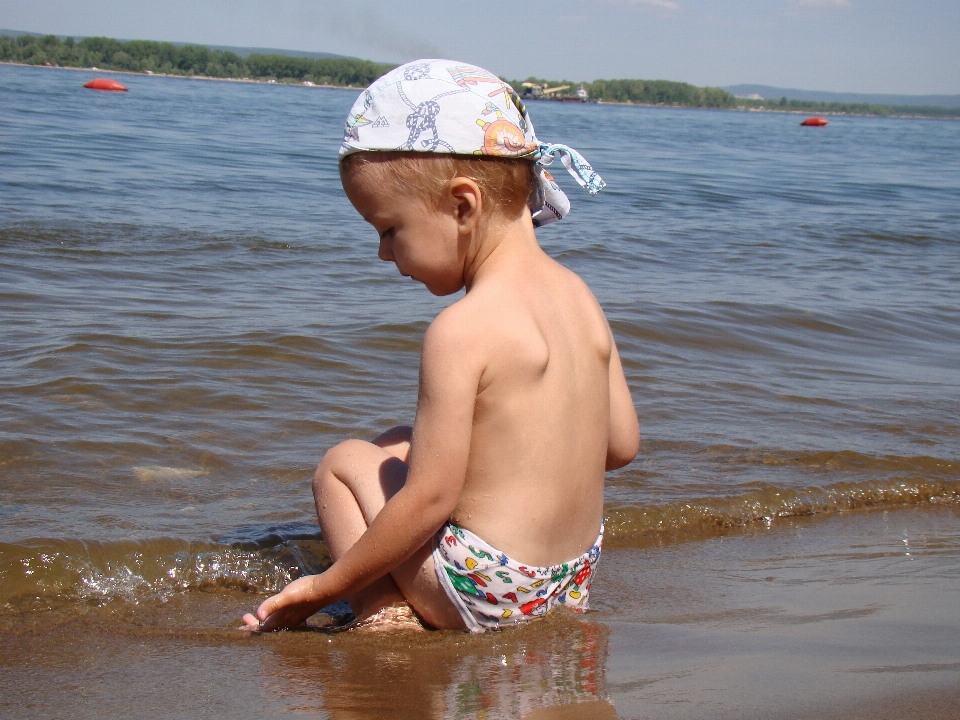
x=386 y=251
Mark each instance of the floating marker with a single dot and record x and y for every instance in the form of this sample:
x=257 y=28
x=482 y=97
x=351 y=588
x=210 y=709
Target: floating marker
x=815 y=122
x=104 y=84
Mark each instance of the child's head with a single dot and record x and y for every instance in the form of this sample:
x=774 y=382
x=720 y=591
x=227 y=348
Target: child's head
x=428 y=121
x=432 y=212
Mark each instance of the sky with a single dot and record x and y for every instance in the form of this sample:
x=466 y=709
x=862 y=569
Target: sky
x=868 y=46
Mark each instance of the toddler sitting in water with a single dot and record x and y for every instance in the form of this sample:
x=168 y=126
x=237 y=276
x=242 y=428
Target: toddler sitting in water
x=489 y=511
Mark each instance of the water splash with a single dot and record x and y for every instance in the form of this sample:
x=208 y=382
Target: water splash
x=47 y=572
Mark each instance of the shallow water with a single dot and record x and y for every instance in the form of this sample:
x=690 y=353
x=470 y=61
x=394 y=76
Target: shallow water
x=846 y=617
x=192 y=312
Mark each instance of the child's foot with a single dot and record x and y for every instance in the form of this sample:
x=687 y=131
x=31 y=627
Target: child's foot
x=389 y=619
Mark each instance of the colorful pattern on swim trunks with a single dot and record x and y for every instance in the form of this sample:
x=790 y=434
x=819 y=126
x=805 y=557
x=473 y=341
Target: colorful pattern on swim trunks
x=492 y=591
x=452 y=107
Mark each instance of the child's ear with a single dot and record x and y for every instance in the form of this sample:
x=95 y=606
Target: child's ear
x=466 y=201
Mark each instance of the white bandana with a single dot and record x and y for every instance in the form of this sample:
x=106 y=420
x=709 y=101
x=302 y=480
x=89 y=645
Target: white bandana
x=450 y=107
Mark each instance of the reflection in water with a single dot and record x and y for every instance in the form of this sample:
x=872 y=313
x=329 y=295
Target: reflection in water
x=541 y=669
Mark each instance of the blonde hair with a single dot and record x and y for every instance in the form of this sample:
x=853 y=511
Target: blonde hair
x=506 y=184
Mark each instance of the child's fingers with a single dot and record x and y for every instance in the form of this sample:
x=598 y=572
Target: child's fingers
x=272 y=621
x=298 y=592
x=283 y=619
x=268 y=607
x=250 y=623
x=287 y=609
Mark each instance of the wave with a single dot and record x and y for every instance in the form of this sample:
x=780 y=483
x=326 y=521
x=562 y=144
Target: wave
x=44 y=573
x=636 y=526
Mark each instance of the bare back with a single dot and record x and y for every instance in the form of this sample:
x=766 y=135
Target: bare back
x=534 y=480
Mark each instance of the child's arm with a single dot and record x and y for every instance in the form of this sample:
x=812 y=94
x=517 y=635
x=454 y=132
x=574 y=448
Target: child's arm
x=450 y=370
x=624 y=427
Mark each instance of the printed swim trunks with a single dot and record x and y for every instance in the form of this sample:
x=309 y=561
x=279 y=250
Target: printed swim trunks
x=492 y=591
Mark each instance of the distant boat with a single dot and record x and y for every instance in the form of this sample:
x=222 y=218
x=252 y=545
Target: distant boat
x=540 y=90
x=815 y=122
x=104 y=84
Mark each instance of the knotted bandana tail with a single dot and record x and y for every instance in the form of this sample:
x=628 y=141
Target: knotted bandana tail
x=553 y=203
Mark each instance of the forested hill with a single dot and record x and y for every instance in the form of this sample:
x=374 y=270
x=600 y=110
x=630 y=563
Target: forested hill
x=767 y=92
x=197 y=60
x=188 y=60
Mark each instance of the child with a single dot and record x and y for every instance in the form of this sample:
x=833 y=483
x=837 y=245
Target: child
x=489 y=511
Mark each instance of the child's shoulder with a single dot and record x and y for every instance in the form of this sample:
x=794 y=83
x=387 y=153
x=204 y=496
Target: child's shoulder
x=453 y=342
x=459 y=328
x=498 y=316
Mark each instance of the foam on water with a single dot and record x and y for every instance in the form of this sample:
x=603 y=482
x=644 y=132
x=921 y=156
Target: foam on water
x=159 y=472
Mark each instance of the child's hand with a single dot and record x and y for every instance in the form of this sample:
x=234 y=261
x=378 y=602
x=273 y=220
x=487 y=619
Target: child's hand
x=288 y=609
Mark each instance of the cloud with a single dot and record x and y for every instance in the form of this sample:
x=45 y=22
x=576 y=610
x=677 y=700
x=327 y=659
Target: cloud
x=373 y=31
x=795 y=8
x=668 y=4
x=820 y=3
x=664 y=4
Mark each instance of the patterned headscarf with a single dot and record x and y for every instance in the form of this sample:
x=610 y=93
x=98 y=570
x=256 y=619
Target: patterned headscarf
x=443 y=106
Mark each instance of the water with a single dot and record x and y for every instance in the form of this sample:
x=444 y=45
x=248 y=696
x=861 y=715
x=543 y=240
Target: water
x=192 y=312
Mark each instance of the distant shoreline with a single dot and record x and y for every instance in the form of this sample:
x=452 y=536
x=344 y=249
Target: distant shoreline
x=180 y=77
x=201 y=62
x=744 y=109
x=328 y=86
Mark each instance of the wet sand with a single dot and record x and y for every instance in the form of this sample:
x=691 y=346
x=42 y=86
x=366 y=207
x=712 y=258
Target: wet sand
x=852 y=616
x=845 y=616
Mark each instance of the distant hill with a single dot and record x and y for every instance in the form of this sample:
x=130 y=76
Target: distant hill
x=245 y=51
x=227 y=61
x=165 y=58
x=774 y=93
x=241 y=51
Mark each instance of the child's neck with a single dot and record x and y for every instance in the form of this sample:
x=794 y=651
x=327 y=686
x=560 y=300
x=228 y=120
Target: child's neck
x=503 y=243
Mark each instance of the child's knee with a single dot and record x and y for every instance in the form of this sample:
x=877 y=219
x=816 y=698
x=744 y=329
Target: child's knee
x=339 y=460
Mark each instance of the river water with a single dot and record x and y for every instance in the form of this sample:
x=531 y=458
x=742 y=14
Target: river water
x=192 y=312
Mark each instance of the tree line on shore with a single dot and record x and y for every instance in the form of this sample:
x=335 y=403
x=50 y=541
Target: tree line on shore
x=197 y=60
x=187 y=60
x=816 y=106
x=667 y=92
x=645 y=92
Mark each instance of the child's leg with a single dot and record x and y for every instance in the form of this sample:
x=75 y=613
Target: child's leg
x=353 y=482
x=384 y=591
x=396 y=441
x=351 y=475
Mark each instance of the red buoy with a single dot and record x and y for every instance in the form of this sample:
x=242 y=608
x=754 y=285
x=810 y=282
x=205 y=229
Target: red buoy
x=104 y=84
x=815 y=122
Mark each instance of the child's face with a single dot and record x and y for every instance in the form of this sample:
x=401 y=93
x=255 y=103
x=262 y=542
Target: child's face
x=422 y=241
